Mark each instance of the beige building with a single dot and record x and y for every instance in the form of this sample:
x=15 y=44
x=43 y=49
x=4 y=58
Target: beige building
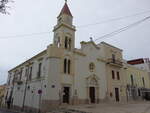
x=114 y=73
x=138 y=83
x=2 y=94
x=63 y=74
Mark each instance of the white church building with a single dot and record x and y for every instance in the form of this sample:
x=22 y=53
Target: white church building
x=63 y=74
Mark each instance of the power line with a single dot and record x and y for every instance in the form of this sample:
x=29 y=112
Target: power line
x=122 y=29
x=114 y=19
x=87 y=25
x=24 y=35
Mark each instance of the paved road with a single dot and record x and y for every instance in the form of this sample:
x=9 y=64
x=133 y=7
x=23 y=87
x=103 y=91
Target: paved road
x=143 y=107
x=5 y=111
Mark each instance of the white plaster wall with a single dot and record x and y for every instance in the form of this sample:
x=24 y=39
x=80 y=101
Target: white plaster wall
x=82 y=71
x=18 y=95
x=32 y=96
x=53 y=79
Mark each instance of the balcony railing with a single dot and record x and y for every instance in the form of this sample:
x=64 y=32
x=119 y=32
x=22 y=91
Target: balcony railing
x=115 y=62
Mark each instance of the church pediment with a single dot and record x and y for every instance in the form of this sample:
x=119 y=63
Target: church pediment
x=90 y=42
x=92 y=80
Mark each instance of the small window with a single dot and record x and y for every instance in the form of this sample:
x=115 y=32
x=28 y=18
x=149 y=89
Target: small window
x=69 y=65
x=91 y=66
x=69 y=44
x=118 y=76
x=40 y=70
x=8 y=81
x=143 y=81
x=30 y=74
x=132 y=81
x=113 y=57
x=21 y=70
x=58 y=42
x=65 y=65
x=26 y=72
x=66 y=42
x=113 y=74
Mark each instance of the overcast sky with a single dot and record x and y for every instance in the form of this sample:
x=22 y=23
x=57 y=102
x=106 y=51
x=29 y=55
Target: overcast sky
x=36 y=16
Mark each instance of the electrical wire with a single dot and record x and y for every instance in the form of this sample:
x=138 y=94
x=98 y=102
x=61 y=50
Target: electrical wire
x=114 y=19
x=102 y=22
x=24 y=35
x=122 y=29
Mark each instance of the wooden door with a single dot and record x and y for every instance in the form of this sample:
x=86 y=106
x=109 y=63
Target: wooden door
x=92 y=94
x=66 y=95
x=117 y=94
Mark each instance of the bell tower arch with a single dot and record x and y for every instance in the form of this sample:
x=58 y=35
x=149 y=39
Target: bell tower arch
x=64 y=31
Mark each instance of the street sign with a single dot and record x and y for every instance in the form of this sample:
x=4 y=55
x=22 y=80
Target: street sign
x=39 y=91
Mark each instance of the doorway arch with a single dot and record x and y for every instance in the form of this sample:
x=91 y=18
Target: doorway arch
x=92 y=89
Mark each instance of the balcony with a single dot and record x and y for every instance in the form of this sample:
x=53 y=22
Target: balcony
x=115 y=62
x=19 y=82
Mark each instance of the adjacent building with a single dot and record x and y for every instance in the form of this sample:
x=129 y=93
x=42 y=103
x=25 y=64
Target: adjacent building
x=138 y=78
x=2 y=94
x=63 y=74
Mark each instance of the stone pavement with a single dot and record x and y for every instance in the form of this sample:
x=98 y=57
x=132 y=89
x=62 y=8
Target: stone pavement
x=6 y=111
x=116 y=108
x=138 y=107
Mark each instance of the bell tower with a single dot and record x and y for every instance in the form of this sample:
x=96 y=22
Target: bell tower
x=60 y=59
x=64 y=31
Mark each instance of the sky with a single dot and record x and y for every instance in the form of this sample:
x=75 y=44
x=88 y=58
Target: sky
x=38 y=16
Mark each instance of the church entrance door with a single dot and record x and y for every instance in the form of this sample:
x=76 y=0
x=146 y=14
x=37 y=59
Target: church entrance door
x=66 y=95
x=92 y=94
x=117 y=94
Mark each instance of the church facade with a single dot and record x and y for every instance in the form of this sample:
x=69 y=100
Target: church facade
x=63 y=74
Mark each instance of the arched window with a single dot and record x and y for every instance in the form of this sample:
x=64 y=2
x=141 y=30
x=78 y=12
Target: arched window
x=65 y=65
x=58 y=43
x=118 y=76
x=92 y=66
x=113 y=58
x=69 y=44
x=132 y=81
x=66 y=42
x=143 y=81
x=69 y=65
x=113 y=74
